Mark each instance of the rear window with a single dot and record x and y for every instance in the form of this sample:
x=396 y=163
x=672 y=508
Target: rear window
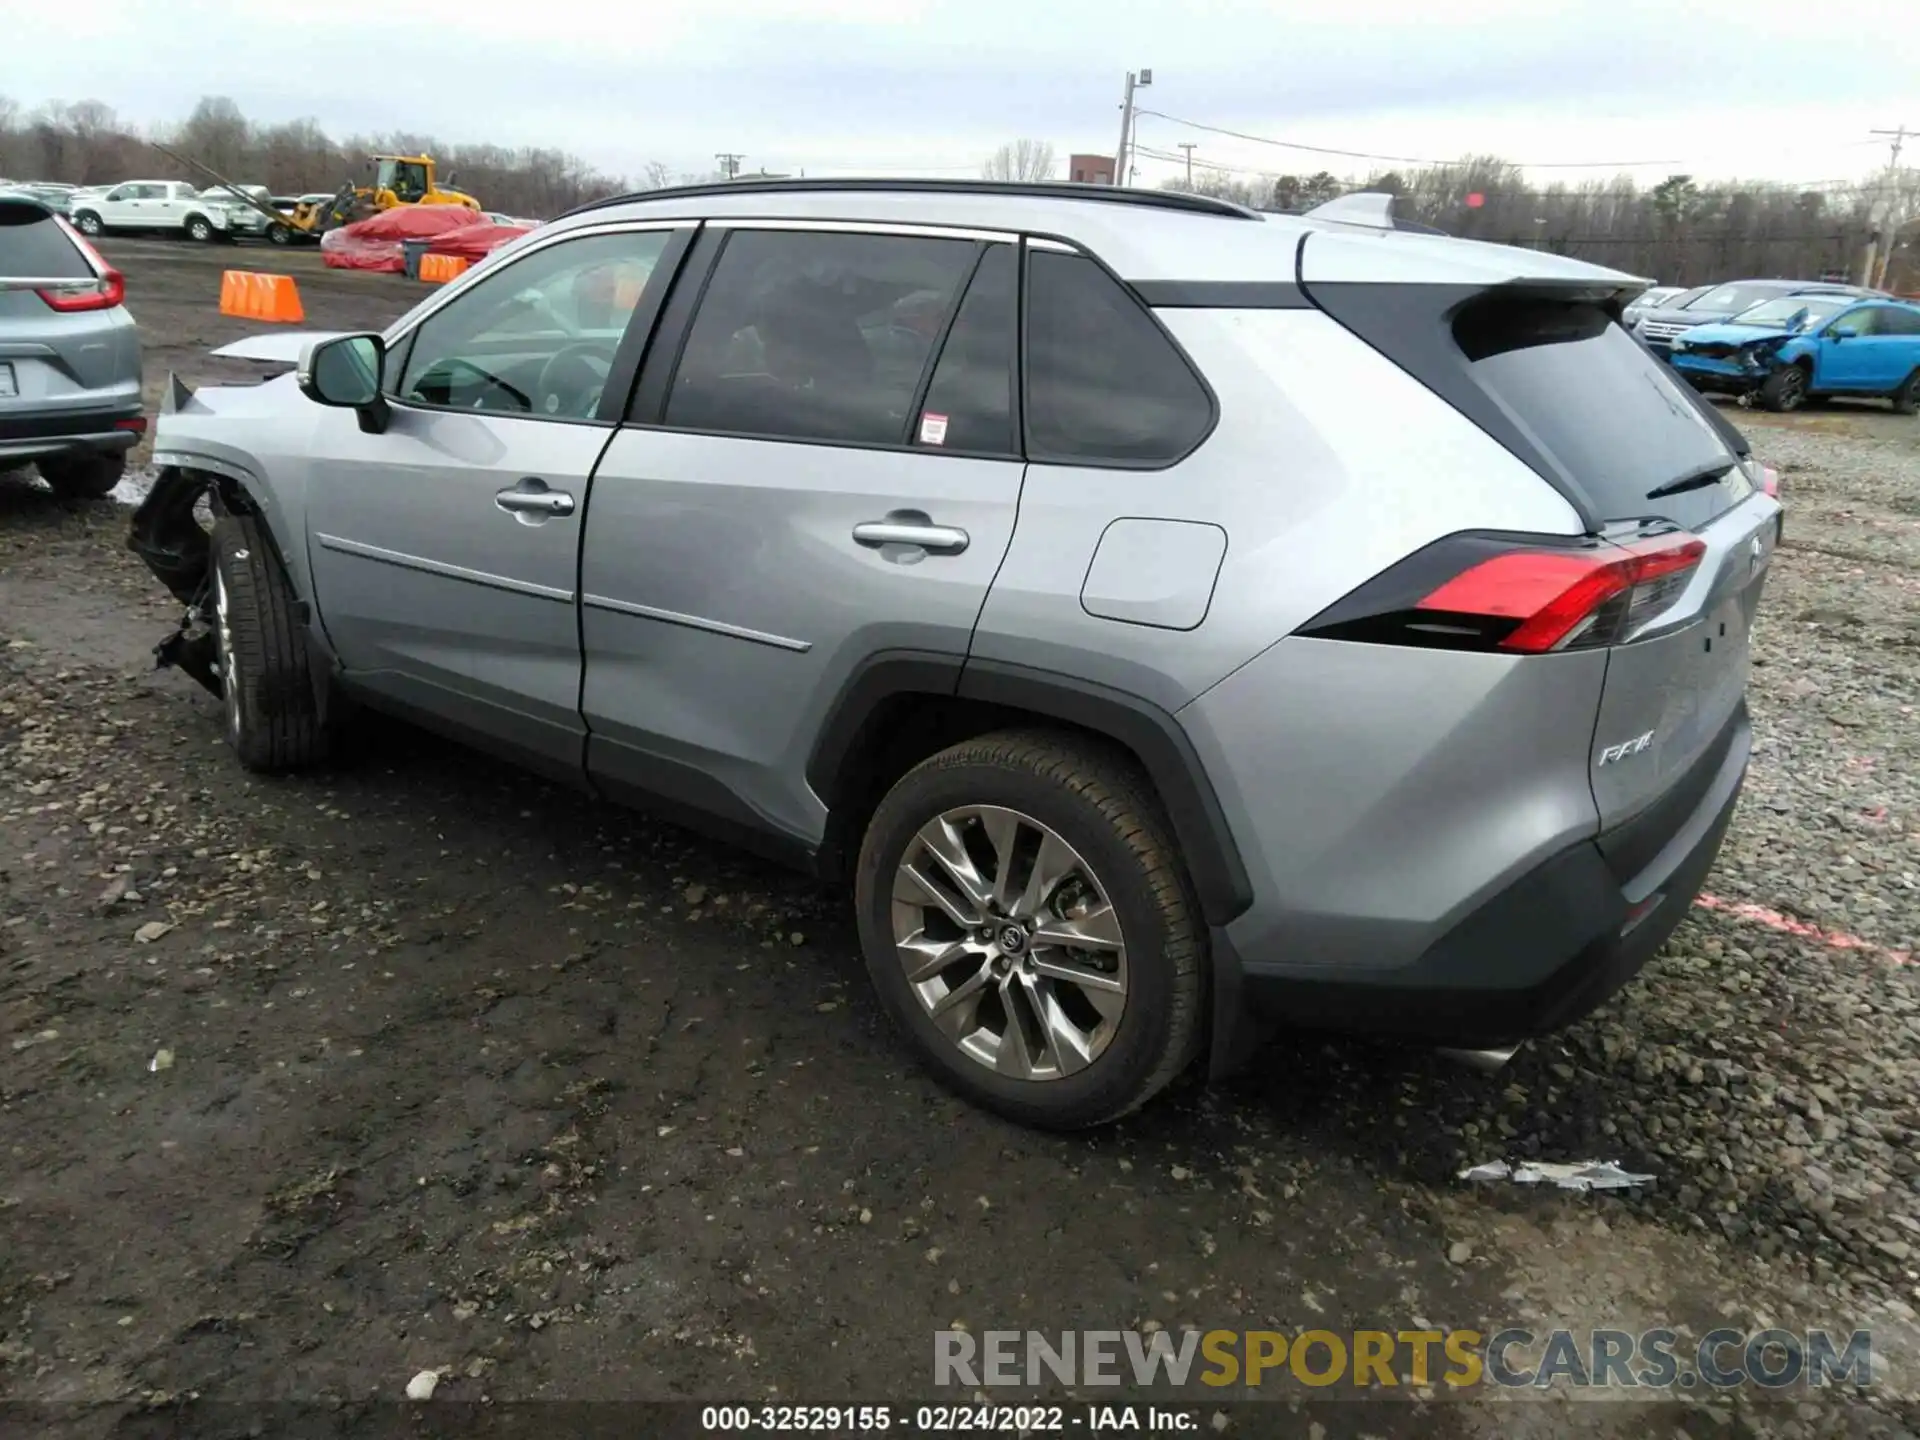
x=1614 y=419
x=34 y=247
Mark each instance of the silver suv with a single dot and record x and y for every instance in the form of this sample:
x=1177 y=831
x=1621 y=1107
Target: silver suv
x=1171 y=619
x=69 y=355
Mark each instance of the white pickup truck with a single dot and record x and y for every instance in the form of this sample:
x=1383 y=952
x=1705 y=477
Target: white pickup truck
x=161 y=205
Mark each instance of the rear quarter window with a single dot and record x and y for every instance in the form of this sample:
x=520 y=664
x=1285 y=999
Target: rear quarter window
x=1105 y=384
x=33 y=246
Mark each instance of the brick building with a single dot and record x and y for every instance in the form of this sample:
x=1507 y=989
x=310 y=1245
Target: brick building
x=1090 y=169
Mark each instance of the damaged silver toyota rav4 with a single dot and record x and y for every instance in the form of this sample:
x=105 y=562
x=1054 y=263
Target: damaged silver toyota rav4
x=1173 y=620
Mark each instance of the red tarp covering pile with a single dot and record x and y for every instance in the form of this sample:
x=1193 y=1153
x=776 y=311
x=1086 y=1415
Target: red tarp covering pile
x=374 y=243
x=473 y=243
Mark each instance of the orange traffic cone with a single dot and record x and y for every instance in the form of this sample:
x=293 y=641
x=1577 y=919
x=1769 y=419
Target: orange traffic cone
x=250 y=295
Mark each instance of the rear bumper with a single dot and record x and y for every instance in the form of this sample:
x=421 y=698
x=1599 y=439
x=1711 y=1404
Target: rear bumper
x=1540 y=954
x=35 y=437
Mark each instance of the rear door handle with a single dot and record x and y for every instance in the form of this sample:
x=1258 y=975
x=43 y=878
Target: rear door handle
x=532 y=497
x=898 y=530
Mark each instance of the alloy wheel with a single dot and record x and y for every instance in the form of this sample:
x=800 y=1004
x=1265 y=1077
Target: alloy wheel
x=1010 y=942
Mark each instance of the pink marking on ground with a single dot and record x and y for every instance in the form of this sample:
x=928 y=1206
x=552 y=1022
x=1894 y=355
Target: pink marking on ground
x=1787 y=925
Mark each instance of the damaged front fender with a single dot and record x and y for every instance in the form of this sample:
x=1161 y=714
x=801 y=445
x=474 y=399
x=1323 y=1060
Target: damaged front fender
x=167 y=536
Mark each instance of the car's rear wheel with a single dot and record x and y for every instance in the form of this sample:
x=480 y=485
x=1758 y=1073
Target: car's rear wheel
x=278 y=234
x=1027 y=922
x=1906 y=400
x=87 y=223
x=273 y=718
x=83 y=477
x=1785 y=389
x=199 y=229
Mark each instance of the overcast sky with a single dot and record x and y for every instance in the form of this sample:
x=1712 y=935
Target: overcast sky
x=1761 y=89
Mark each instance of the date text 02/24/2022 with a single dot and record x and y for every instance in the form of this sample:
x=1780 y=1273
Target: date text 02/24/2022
x=947 y=1419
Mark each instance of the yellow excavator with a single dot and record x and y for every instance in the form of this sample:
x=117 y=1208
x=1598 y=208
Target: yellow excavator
x=397 y=180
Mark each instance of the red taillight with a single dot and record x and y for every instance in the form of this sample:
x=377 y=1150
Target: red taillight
x=104 y=292
x=1485 y=592
x=1558 y=596
x=137 y=424
x=1770 y=481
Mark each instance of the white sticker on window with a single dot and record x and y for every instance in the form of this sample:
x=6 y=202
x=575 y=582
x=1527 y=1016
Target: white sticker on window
x=933 y=428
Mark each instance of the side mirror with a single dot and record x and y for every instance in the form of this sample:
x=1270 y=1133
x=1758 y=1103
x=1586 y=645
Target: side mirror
x=1842 y=332
x=347 y=372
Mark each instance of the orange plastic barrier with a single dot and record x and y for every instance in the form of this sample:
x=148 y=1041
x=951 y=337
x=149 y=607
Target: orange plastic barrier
x=252 y=296
x=438 y=269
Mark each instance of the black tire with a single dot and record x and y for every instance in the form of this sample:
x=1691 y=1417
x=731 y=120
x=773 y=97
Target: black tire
x=83 y=477
x=1906 y=400
x=1100 y=803
x=278 y=234
x=200 y=230
x=88 y=224
x=272 y=715
x=1785 y=389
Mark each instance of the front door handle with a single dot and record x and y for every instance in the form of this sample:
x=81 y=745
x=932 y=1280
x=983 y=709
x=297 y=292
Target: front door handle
x=911 y=528
x=531 y=499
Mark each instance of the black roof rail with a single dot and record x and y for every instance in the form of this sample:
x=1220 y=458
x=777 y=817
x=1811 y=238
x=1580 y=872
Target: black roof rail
x=1054 y=190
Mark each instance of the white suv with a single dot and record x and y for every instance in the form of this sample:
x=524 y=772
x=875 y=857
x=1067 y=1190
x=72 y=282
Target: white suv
x=166 y=205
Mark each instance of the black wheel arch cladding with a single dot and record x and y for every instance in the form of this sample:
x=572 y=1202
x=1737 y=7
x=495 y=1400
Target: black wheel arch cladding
x=1153 y=736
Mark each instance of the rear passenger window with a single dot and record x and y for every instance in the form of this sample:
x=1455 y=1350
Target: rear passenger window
x=817 y=335
x=1900 y=322
x=1104 y=383
x=969 y=405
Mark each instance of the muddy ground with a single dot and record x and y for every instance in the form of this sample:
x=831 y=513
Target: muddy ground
x=418 y=1063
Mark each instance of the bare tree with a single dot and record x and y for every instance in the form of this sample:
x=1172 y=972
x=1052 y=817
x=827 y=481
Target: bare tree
x=216 y=134
x=656 y=176
x=1020 y=160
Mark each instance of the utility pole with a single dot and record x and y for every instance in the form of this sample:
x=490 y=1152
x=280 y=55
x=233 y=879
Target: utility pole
x=1187 y=145
x=1875 y=263
x=1899 y=138
x=729 y=163
x=1123 y=157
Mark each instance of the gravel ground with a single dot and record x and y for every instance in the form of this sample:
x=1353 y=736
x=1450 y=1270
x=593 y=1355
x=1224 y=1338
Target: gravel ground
x=425 y=1063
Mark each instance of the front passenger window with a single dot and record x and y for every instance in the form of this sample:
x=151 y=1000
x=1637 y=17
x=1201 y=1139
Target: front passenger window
x=537 y=337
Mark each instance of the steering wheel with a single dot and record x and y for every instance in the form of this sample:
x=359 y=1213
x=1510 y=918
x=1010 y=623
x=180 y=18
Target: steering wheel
x=452 y=363
x=572 y=379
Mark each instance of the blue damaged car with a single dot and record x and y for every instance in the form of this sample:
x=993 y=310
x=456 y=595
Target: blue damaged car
x=1789 y=350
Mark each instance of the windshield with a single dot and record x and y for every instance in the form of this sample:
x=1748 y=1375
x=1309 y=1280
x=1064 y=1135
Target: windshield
x=1732 y=299
x=1780 y=314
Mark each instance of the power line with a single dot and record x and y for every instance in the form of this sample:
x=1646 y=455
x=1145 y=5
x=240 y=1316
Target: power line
x=1798 y=187
x=1400 y=159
